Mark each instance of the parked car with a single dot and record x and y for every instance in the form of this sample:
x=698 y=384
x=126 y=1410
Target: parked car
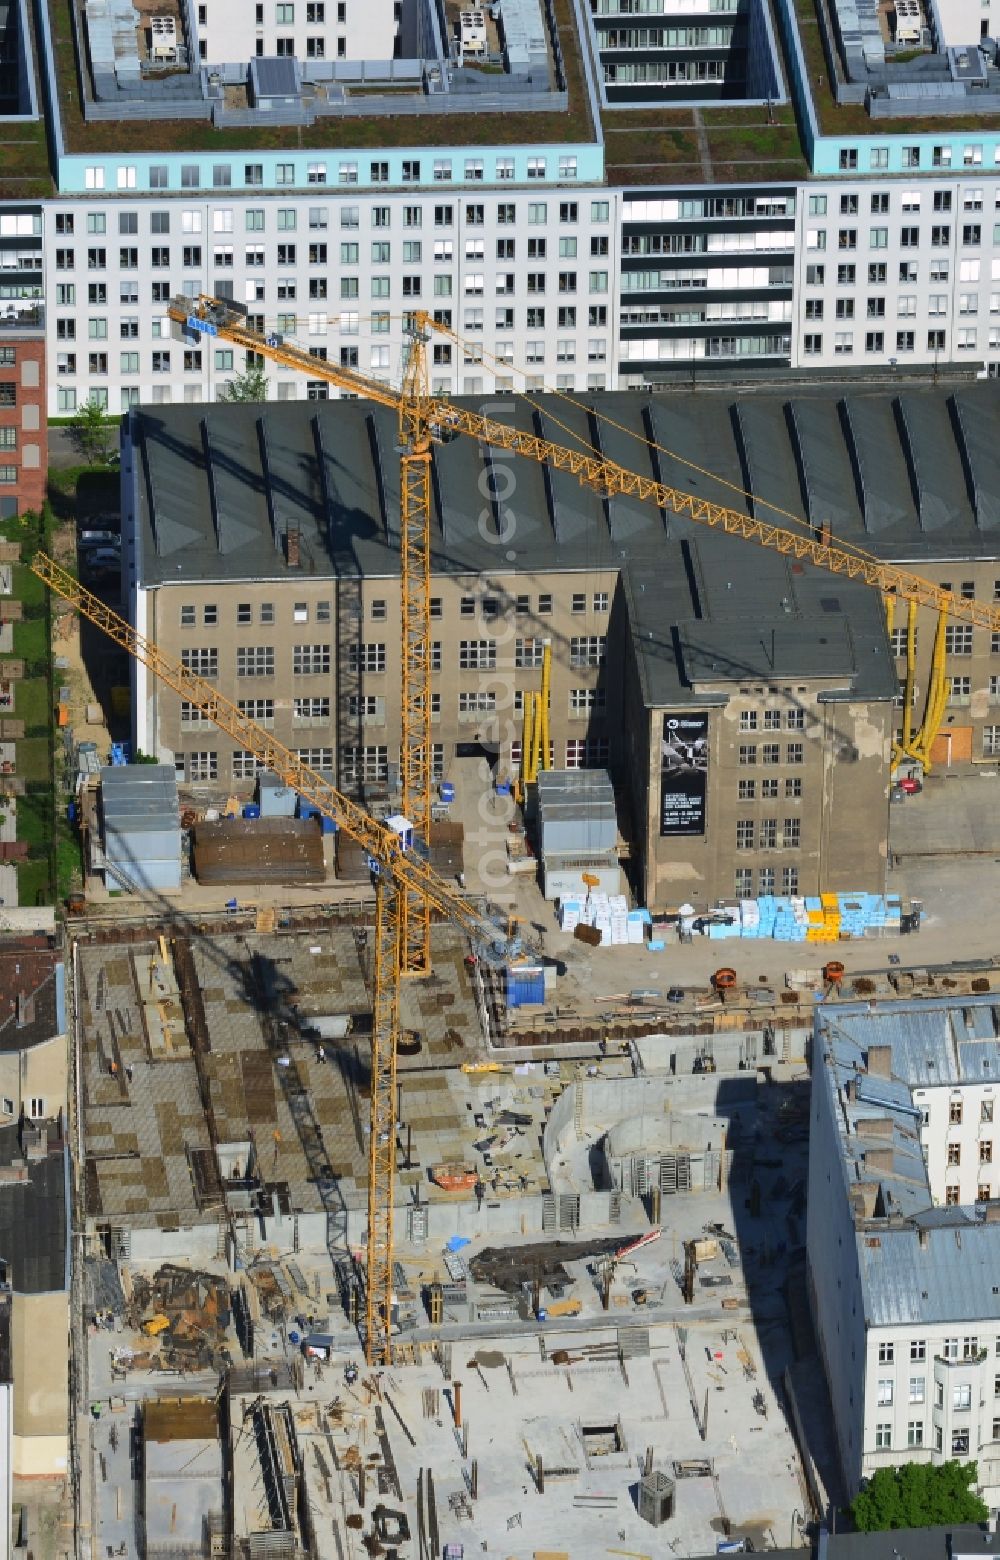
x=103 y=560
x=108 y=539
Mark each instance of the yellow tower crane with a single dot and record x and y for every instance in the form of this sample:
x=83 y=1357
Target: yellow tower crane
x=400 y=874
x=407 y=888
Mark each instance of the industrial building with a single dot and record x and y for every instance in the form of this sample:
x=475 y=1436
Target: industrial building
x=279 y=524
x=903 y=1236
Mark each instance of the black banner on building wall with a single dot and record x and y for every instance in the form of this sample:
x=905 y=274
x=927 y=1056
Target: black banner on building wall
x=683 y=773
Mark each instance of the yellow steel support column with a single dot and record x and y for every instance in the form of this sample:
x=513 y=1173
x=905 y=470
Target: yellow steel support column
x=527 y=740
x=911 y=667
x=415 y=591
x=544 y=700
x=537 y=723
x=389 y=900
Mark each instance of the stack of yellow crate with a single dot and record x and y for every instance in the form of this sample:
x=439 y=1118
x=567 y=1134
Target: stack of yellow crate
x=824 y=924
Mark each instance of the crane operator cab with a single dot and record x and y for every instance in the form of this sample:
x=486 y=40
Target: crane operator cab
x=403 y=827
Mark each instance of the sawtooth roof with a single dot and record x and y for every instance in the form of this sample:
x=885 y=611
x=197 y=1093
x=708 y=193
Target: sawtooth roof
x=219 y=489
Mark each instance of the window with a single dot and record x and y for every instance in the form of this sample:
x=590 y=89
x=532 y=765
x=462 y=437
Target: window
x=204 y=663
x=583 y=701
x=587 y=650
x=917 y=1389
x=747 y=754
x=958 y=639
x=986 y=1110
x=477 y=655
x=528 y=652
x=952 y=1196
x=885 y=1390
x=985 y=1151
x=360 y=765
x=201 y=767
x=259 y=710
x=744 y=834
x=314 y=711
x=883 y=1432
x=365 y=657
x=255 y=661
x=789 y=880
x=310 y=660
x=915 y=1432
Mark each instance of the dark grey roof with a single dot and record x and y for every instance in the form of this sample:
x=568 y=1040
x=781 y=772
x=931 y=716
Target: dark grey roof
x=32 y=992
x=932 y=1543
x=935 y=1543
x=914 y=477
x=33 y=1232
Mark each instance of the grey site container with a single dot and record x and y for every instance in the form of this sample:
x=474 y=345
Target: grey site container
x=576 y=811
x=578 y=827
x=562 y=784
x=141 y=816
x=276 y=799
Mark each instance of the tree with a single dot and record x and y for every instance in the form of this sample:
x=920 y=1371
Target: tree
x=91 y=427
x=251 y=385
x=919 y=1495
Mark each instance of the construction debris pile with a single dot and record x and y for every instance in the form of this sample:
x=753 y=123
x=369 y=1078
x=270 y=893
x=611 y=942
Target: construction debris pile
x=185 y=1316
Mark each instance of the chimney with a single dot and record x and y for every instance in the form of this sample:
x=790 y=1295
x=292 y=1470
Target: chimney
x=880 y=1061
x=878 y=1159
x=879 y=1126
x=993 y=1213
x=864 y=1198
x=292 y=546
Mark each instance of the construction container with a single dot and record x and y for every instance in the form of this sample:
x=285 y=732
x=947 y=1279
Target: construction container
x=562 y=878
x=141 y=826
x=276 y=800
x=525 y=986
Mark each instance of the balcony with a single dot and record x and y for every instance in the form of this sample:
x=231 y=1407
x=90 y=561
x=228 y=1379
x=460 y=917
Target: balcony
x=14 y=318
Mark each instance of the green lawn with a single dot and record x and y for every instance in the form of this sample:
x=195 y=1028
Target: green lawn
x=33 y=759
x=31 y=702
x=31 y=635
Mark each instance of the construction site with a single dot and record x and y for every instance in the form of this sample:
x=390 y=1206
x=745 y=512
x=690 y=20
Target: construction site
x=413 y=1217
x=598 y=1319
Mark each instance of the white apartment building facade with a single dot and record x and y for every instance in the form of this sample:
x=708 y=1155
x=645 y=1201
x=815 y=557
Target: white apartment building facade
x=899 y=272
x=308 y=30
x=903 y=1235
x=527 y=277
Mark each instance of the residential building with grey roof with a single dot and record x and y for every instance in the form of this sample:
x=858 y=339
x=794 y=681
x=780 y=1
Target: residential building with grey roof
x=904 y=1230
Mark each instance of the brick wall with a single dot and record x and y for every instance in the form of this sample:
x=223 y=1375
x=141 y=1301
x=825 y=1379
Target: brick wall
x=24 y=452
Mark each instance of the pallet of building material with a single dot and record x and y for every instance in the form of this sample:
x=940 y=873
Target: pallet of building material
x=237 y=851
x=591 y=935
